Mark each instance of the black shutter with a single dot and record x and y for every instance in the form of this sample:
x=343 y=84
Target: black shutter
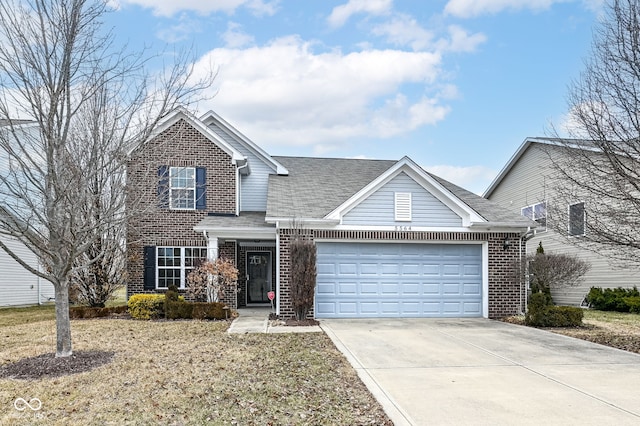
x=149 y=268
x=163 y=187
x=201 y=188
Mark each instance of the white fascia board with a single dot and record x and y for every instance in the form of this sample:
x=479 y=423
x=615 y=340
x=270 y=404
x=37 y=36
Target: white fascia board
x=279 y=221
x=181 y=113
x=211 y=117
x=408 y=166
x=238 y=233
x=501 y=227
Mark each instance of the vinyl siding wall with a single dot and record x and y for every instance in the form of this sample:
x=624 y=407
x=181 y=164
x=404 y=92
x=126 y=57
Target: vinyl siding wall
x=18 y=286
x=528 y=183
x=378 y=209
x=253 y=188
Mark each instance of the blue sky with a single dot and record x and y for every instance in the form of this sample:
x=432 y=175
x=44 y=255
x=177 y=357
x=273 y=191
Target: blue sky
x=456 y=85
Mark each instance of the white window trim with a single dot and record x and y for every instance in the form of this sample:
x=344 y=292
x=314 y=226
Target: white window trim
x=533 y=211
x=195 y=183
x=584 y=219
x=182 y=267
x=403 y=206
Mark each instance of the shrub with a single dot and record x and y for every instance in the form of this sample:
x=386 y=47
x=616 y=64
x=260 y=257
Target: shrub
x=303 y=276
x=77 y=312
x=146 y=306
x=542 y=313
x=613 y=299
x=178 y=309
x=209 y=311
x=633 y=302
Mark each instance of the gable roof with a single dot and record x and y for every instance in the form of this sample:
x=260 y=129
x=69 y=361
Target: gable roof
x=317 y=187
x=572 y=143
x=212 y=118
x=182 y=114
x=424 y=179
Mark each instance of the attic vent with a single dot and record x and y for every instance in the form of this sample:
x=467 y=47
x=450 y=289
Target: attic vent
x=403 y=206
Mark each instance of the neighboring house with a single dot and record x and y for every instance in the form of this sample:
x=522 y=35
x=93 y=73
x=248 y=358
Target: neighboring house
x=392 y=240
x=19 y=287
x=525 y=186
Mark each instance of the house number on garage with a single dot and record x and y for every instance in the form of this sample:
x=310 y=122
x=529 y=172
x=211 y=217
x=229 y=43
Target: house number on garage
x=403 y=228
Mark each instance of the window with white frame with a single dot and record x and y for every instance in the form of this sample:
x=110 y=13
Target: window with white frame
x=182 y=188
x=403 y=206
x=537 y=212
x=175 y=263
x=577 y=219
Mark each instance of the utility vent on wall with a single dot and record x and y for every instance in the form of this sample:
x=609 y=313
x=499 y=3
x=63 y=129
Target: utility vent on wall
x=403 y=206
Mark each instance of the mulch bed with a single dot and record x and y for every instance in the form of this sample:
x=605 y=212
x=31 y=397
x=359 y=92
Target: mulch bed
x=47 y=365
x=301 y=323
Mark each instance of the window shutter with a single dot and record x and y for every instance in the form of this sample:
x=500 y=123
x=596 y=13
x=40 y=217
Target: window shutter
x=403 y=206
x=201 y=188
x=163 y=187
x=149 y=268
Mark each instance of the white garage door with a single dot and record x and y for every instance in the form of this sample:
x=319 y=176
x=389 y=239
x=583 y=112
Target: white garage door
x=364 y=280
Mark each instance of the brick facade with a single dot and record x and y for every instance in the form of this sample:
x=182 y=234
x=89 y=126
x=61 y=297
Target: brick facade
x=506 y=291
x=180 y=145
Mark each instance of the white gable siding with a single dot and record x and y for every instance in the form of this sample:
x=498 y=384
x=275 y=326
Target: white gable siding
x=18 y=286
x=528 y=183
x=253 y=188
x=378 y=208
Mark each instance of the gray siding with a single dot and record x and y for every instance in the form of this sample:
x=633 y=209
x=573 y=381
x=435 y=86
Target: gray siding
x=528 y=183
x=253 y=188
x=18 y=286
x=378 y=208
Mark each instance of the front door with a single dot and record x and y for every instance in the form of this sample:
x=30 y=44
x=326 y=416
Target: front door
x=258 y=276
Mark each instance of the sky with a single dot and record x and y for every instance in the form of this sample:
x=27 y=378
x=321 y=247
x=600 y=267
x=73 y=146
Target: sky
x=456 y=85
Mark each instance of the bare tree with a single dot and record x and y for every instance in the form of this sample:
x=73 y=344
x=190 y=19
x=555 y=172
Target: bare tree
x=598 y=169
x=71 y=107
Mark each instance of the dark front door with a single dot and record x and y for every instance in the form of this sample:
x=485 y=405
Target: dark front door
x=258 y=276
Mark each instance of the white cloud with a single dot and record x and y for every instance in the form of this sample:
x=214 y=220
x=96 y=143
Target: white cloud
x=404 y=30
x=472 y=178
x=184 y=27
x=284 y=93
x=235 y=37
x=471 y=8
x=341 y=14
x=205 y=7
x=461 y=41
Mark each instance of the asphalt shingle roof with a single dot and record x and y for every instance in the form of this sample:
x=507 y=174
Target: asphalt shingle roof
x=316 y=186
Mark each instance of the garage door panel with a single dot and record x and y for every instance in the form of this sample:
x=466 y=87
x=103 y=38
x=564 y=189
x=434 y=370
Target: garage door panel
x=391 y=280
x=347 y=288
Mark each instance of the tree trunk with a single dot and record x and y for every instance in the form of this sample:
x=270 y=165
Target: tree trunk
x=63 y=323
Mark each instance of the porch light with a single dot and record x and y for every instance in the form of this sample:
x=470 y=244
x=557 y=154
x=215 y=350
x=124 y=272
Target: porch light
x=506 y=244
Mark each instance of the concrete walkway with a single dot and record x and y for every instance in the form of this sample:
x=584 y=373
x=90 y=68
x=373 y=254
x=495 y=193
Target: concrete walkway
x=256 y=320
x=483 y=372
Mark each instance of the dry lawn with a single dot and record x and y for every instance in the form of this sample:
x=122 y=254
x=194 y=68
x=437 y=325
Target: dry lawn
x=615 y=329
x=186 y=372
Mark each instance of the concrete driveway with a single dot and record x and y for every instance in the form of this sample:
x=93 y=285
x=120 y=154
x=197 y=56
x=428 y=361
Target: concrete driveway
x=483 y=372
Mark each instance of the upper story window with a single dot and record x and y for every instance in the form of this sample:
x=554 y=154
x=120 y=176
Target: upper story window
x=182 y=188
x=577 y=219
x=537 y=212
x=403 y=206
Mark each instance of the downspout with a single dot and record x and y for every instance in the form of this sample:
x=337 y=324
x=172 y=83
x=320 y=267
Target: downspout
x=277 y=268
x=238 y=192
x=530 y=233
